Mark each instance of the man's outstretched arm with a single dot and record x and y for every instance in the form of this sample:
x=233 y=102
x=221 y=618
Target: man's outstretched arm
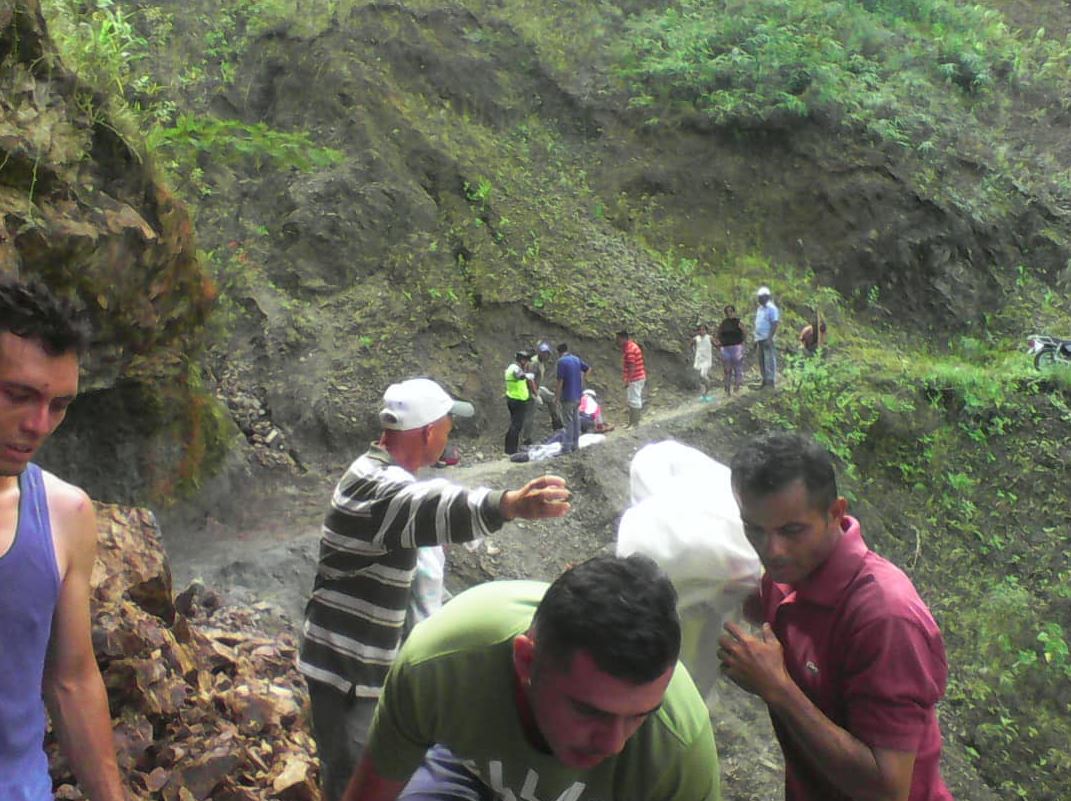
x=73 y=688
x=367 y=785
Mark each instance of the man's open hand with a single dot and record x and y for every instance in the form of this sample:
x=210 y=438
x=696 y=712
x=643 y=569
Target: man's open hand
x=546 y=496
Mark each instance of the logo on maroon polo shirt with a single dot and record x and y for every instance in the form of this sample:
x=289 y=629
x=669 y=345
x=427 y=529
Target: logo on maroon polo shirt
x=812 y=667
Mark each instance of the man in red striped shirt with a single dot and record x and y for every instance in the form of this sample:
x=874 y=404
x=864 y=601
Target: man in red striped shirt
x=634 y=375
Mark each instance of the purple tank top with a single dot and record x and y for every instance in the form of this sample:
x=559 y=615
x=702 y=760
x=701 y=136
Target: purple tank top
x=29 y=588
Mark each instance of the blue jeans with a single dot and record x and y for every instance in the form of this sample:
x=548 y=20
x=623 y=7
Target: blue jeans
x=441 y=777
x=767 y=361
x=571 y=423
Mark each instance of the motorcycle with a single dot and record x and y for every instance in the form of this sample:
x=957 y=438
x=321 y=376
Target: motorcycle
x=1048 y=351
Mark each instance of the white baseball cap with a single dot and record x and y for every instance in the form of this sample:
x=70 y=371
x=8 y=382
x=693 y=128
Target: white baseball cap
x=763 y=290
x=419 y=402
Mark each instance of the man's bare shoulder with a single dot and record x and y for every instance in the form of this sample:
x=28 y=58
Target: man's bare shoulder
x=71 y=510
x=65 y=498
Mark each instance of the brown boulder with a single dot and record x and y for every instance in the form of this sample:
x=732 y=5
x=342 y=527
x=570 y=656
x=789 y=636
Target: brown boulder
x=130 y=560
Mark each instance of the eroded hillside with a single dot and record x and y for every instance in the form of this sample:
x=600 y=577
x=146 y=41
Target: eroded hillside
x=495 y=186
x=420 y=187
x=80 y=209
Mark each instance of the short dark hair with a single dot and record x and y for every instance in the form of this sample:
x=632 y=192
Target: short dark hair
x=563 y=348
x=771 y=463
x=28 y=309
x=621 y=611
x=622 y=334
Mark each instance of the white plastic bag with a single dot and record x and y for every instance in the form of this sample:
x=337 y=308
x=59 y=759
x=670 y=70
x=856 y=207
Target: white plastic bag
x=684 y=517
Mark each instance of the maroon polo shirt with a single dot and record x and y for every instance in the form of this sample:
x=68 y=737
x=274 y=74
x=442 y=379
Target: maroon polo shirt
x=864 y=648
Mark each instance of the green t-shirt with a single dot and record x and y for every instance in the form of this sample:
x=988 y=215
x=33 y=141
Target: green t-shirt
x=453 y=684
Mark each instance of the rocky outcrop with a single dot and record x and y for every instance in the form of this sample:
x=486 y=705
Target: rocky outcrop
x=205 y=705
x=82 y=209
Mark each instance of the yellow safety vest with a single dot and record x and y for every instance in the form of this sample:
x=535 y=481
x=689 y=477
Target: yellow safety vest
x=516 y=384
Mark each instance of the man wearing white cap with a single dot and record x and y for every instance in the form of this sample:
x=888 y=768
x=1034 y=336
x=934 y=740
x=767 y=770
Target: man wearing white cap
x=380 y=517
x=767 y=317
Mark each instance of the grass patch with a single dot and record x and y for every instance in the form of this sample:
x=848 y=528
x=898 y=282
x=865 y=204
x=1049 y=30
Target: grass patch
x=870 y=65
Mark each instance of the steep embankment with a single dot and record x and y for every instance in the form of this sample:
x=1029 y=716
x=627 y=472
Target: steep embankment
x=80 y=209
x=511 y=169
x=496 y=187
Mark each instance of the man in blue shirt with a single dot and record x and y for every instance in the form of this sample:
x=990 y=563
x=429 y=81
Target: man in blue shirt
x=767 y=318
x=571 y=373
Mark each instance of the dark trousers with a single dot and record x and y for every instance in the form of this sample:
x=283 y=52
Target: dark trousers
x=767 y=361
x=518 y=410
x=555 y=413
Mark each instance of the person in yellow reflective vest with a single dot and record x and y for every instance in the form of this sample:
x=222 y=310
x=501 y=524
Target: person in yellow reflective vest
x=520 y=394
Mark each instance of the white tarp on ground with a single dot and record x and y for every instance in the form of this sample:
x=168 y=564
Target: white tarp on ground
x=684 y=516
x=539 y=453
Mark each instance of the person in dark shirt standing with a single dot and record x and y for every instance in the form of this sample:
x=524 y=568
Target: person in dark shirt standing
x=731 y=345
x=571 y=373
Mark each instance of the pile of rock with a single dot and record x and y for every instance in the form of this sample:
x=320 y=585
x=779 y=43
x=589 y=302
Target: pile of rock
x=250 y=411
x=205 y=705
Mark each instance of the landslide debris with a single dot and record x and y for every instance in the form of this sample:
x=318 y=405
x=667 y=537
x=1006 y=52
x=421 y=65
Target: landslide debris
x=205 y=703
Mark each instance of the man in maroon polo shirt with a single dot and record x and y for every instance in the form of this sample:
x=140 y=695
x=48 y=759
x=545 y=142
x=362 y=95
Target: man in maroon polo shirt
x=849 y=661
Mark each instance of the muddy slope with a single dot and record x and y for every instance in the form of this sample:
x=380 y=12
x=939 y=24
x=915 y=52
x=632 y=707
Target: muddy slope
x=486 y=200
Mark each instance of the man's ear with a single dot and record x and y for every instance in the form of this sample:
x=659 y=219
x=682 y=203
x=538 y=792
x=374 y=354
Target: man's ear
x=838 y=508
x=523 y=658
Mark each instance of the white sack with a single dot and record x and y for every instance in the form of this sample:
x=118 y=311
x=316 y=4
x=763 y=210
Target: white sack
x=669 y=466
x=684 y=517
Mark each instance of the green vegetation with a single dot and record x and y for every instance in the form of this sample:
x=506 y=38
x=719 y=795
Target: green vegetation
x=99 y=40
x=102 y=43
x=868 y=64
x=180 y=146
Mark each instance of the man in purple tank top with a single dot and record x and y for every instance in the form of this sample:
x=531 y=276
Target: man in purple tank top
x=48 y=540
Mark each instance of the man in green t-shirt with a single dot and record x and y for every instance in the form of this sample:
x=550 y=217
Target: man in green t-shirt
x=566 y=693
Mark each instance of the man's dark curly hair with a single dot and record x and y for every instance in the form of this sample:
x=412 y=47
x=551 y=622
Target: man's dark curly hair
x=29 y=309
x=773 y=462
x=621 y=611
